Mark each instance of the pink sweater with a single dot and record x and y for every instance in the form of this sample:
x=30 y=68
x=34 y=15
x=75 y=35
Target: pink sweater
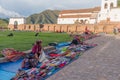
x=36 y=48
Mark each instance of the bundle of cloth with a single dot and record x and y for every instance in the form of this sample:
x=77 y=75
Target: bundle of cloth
x=11 y=54
x=87 y=34
x=43 y=71
x=56 y=60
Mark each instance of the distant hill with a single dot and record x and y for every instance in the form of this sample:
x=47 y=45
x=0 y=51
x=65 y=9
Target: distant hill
x=3 y=23
x=45 y=17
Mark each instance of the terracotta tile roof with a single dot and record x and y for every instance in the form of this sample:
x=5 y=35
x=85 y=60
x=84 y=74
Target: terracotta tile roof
x=81 y=10
x=76 y=16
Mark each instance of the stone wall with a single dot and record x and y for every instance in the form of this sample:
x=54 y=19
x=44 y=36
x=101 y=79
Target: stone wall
x=97 y=28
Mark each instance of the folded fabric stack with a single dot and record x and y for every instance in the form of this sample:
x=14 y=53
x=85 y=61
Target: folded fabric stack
x=12 y=54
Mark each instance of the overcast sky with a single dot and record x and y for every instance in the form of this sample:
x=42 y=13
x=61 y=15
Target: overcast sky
x=28 y=7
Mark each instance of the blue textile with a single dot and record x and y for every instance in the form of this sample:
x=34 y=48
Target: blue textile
x=9 y=69
x=62 y=44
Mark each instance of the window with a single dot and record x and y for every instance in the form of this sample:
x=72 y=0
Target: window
x=111 y=5
x=29 y=27
x=85 y=21
x=99 y=15
x=105 y=6
x=24 y=27
x=15 y=24
x=81 y=21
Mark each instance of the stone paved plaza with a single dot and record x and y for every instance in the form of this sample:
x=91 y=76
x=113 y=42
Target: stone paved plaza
x=99 y=63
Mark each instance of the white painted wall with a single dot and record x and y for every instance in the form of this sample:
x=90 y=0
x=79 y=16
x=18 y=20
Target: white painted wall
x=19 y=20
x=92 y=21
x=108 y=12
x=70 y=20
x=115 y=15
x=102 y=16
x=108 y=2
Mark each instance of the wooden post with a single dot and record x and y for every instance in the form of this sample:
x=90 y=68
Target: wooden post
x=67 y=28
x=48 y=28
x=76 y=29
x=60 y=28
x=54 y=28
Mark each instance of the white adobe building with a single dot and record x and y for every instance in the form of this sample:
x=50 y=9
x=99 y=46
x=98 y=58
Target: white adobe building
x=17 y=21
x=81 y=16
x=107 y=11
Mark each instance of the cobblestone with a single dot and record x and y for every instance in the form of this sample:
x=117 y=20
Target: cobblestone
x=99 y=63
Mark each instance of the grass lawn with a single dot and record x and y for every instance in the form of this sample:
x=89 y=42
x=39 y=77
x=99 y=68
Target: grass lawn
x=23 y=40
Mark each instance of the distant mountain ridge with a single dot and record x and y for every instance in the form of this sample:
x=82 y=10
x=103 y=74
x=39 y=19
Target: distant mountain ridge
x=45 y=17
x=3 y=23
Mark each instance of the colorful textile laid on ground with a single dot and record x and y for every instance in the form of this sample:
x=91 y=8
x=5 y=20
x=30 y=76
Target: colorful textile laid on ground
x=56 y=60
x=88 y=36
x=11 y=54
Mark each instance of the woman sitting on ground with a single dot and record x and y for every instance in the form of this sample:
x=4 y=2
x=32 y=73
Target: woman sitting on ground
x=75 y=40
x=37 y=48
x=38 y=51
x=29 y=62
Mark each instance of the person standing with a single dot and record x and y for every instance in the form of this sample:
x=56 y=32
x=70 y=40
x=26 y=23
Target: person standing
x=115 y=30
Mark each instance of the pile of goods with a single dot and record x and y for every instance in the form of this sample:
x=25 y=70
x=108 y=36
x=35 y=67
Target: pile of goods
x=56 y=60
x=11 y=54
x=88 y=36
